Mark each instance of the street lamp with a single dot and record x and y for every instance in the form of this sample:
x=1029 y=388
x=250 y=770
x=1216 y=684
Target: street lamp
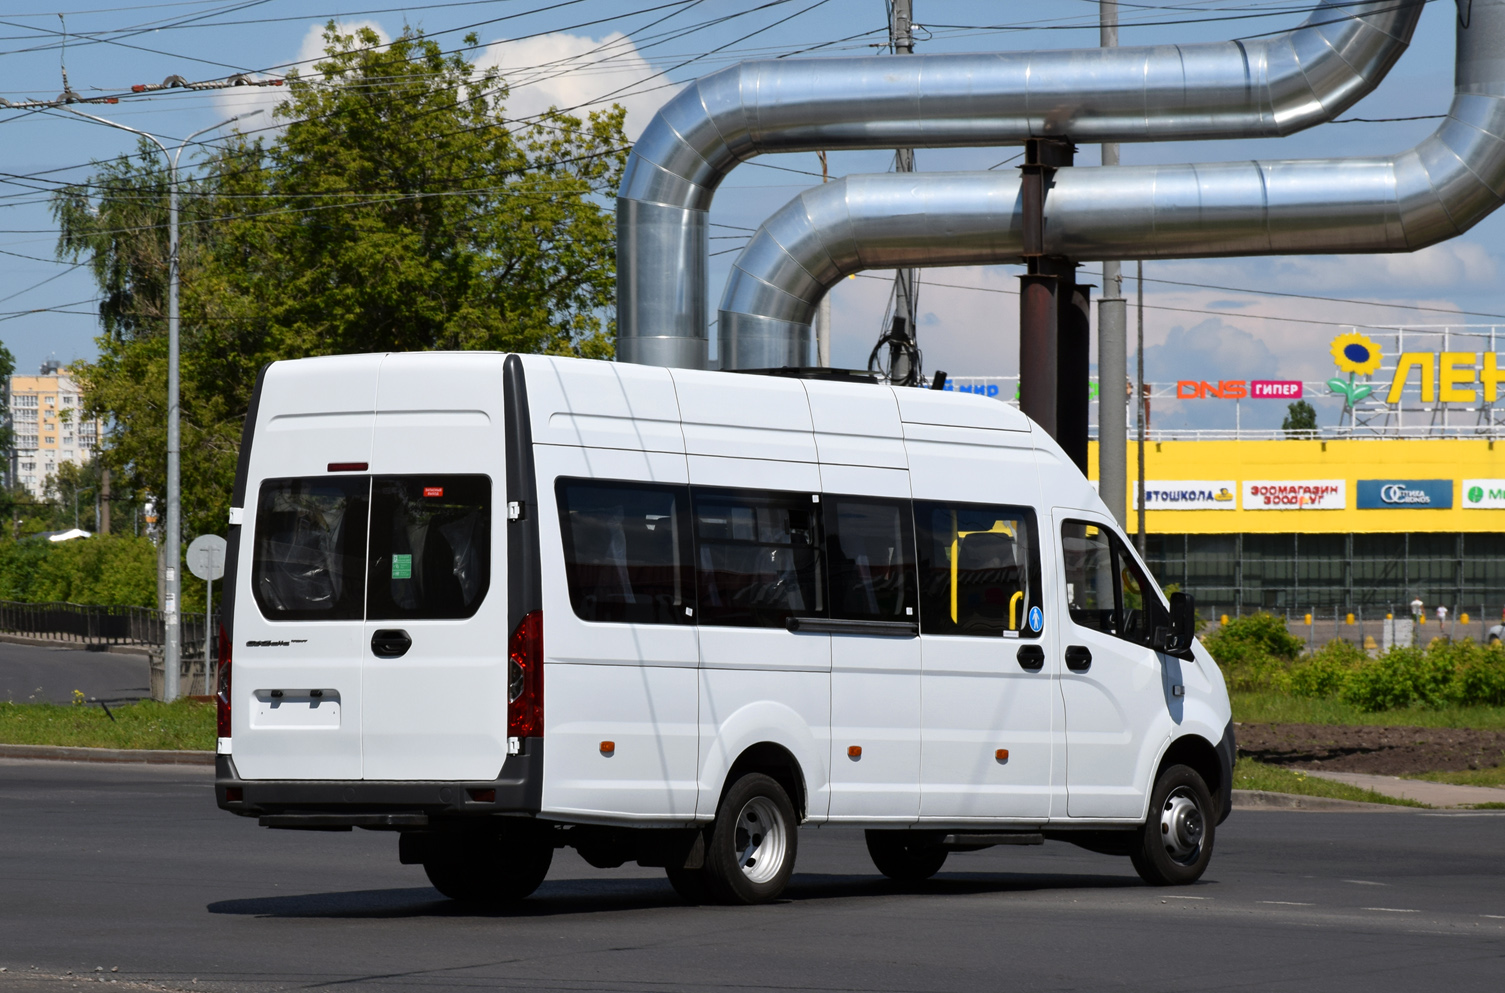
x=172 y=649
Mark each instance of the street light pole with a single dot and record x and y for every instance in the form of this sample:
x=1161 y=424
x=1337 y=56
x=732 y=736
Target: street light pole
x=172 y=649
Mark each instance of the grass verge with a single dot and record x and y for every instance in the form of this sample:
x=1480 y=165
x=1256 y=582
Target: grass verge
x=1494 y=776
x=1265 y=707
x=1251 y=775
x=183 y=724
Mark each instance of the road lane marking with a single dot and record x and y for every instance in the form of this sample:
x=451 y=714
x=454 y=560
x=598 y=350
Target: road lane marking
x=1364 y=882
x=1496 y=917
x=1391 y=910
x=1173 y=896
x=1287 y=903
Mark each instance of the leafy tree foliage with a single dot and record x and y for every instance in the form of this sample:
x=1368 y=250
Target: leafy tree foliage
x=395 y=209
x=1300 y=420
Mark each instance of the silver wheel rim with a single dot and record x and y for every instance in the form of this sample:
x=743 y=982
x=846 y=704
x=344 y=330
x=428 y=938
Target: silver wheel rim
x=1182 y=827
x=761 y=840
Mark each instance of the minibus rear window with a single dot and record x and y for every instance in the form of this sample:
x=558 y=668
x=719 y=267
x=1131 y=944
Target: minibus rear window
x=430 y=547
x=627 y=551
x=758 y=557
x=309 y=562
x=979 y=570
x=871 y=559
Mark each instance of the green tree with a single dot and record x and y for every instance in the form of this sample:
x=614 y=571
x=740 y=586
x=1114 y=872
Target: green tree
x=397 y=209
x=1300 y=420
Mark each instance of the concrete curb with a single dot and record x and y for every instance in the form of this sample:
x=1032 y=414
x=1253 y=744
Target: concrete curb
x=75 y=646
x=1262 y=800
x=136 y=756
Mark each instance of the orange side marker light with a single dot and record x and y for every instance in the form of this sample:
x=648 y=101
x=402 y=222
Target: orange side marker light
x=608 y=748
x=854 y=751
x=1002 y=755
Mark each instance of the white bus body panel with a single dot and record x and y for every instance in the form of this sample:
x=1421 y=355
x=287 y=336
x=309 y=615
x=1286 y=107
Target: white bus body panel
x=977 y=698
x=312 y=413
x=440 y=711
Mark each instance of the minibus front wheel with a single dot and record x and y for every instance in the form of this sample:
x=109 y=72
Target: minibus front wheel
x=1175 y=844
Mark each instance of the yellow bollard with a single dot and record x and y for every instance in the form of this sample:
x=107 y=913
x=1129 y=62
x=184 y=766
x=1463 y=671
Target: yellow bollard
x=1225 y=619
x=1389 y=617
x=1350 y=620
x=1308 y=620
x=1463 y=618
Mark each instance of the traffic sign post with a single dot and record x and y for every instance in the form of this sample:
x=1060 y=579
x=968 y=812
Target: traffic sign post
x=206 y=560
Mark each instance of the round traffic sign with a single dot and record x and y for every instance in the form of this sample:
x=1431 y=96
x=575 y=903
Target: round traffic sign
x=206 y=557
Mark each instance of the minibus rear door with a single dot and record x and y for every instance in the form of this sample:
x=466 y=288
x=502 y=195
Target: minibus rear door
x=434 y=647
x=296 y=678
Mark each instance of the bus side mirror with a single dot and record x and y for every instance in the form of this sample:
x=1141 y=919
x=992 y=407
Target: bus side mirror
x=1176 y=635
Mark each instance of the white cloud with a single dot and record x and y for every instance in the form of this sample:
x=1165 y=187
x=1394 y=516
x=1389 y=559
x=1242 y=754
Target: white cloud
x=243 y=100
x=574 y=73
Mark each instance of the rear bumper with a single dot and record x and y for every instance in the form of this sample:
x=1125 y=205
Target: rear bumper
x=338 y=804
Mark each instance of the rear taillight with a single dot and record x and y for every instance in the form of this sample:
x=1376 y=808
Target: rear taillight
x=222 y=689
x=525 y=678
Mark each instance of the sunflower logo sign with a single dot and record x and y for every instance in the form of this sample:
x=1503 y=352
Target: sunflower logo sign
x=1356 y=355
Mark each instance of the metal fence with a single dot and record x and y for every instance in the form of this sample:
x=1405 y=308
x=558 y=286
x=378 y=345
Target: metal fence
x=93 y=626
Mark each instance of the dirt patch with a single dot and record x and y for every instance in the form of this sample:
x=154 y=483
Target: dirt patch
x=1386 y=751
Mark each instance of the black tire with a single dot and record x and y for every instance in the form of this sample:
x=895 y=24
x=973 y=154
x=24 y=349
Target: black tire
x=690 y=885
x=906 y=856
x=753 y=843
x=1175 y=844
x=490 y=868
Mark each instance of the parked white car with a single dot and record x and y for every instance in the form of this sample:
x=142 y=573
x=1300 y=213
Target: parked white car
x=503 y=604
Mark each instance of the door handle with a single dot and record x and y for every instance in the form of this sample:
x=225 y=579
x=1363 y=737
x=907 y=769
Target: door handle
x=390 y=643
x=1031 y=658
x=1078 y=658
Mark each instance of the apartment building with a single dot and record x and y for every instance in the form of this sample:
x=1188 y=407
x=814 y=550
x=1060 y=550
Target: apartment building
x=46 y=413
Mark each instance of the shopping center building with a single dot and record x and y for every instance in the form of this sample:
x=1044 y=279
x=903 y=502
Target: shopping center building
x=1404 y=499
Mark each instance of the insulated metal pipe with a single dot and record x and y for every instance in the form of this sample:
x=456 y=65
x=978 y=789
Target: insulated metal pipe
x=1399 y=203
x=1258 y=87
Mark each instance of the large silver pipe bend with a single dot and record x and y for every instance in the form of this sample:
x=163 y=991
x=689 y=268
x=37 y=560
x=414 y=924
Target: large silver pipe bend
x=1259 y=87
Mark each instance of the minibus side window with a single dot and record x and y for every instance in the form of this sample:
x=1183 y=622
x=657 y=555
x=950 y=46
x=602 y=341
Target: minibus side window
x=309 y=562
x=1105 y=588
x=871 y=556
x=979 y=569
x=627 y=551
x=430 y=546
x=758 y=559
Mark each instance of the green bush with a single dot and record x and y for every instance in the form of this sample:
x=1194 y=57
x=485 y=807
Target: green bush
x=1326 y=671
x=114 y=570
x=1254 y=651
x=1257 y=654
x=1481 y=677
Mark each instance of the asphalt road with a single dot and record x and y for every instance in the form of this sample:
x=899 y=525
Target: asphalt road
x=135 y=868
x=43 y=674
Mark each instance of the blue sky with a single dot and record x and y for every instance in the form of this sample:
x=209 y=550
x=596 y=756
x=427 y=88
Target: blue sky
x=967 y=328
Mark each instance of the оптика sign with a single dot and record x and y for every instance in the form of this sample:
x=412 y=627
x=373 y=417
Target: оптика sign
x=1405 y=494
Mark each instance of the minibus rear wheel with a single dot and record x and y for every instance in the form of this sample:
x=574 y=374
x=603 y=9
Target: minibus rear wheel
x=490 y=868
x=750 y=852
x=906 y=856
x=1176 y=842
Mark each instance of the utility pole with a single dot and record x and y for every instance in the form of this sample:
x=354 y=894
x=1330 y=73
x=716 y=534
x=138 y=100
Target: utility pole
x=172 y=534
x=1144 y=401
x=902 y=369
x=1112 y=327
x=823 y=312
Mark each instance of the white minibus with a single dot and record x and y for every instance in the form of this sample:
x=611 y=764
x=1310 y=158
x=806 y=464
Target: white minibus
x=504 y=604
